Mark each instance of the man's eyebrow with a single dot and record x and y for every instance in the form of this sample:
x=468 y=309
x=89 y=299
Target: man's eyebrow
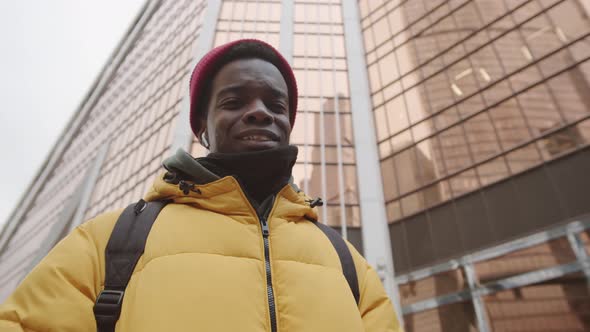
x=235 y=88
x=238 y=88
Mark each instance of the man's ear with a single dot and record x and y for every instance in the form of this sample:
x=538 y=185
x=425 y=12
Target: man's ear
x=203 y=136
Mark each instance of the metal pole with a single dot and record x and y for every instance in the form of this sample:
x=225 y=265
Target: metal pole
x=286 y=34
x=581 y=254
x=478 y=305
x=375 y=230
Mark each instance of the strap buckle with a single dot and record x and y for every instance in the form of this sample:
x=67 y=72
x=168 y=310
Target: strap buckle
x=108 y=303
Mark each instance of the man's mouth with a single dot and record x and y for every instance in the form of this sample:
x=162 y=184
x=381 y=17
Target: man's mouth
x=258 y=135
x=258 y=138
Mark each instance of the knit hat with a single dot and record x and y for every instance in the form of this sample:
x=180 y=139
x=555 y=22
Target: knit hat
x=213 y=61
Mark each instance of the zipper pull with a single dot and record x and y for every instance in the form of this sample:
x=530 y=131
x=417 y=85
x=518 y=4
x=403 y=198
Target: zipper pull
x=265 y=229
x=316 y=202
x=188 y=187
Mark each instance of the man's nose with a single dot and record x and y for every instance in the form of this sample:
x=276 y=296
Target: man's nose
x=258 y=113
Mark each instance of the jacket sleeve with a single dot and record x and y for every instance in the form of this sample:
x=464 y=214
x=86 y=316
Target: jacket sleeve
x=59 y=293
x=375 y=306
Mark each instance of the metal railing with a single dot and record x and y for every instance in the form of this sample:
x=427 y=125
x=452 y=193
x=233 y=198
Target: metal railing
x=476 y=291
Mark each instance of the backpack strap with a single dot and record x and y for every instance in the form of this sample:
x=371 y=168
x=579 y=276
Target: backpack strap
x=125 y=246
x=348 y=267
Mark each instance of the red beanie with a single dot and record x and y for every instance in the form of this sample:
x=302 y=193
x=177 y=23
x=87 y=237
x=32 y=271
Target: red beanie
x=212 y=62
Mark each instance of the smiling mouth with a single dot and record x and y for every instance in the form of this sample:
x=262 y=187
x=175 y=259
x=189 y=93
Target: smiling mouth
x=258 y=138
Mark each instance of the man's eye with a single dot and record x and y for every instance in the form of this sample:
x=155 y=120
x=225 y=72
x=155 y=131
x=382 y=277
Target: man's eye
x=278 y=107
x=231 y=104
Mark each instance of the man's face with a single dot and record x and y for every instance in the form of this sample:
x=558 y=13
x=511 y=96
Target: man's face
x=249 y=108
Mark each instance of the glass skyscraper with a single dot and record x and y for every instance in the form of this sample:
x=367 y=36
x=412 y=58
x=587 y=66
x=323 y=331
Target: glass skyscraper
x=449 y=140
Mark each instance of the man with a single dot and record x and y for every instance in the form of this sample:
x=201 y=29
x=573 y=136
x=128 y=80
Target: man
x=237 y=249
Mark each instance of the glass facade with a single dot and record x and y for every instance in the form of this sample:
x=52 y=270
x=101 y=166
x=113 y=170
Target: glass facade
x=135 y=115
x=481 y=112
x=323 y=131
x=467 y=93
x=141 y=104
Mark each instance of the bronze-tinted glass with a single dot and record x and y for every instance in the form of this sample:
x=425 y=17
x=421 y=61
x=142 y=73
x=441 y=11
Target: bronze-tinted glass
x=434 y=286
x=493 y=86
x=558 y=305
x=459 y=317
x=323 y=130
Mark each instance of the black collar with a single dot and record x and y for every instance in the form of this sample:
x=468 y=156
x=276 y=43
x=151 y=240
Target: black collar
x=260 y=173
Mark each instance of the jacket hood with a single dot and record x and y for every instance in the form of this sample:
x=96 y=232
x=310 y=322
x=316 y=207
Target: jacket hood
x=188 y=182
x=183 y=166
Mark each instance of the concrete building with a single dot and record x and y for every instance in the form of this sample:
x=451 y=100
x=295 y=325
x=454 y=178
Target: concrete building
x=450 y=141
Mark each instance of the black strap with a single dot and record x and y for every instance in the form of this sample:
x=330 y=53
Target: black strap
x=348 y=267
x=125 y=246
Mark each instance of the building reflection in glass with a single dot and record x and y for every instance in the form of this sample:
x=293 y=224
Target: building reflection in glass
x=468 y=94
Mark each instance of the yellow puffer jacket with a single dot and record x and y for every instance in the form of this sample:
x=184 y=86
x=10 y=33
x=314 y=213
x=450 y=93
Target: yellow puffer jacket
x=204 y=270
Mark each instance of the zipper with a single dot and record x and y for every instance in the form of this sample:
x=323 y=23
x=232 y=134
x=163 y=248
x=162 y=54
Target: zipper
x=262 y=211
x=269 y=288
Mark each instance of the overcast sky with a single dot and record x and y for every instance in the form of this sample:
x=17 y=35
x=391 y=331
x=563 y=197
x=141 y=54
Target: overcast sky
x=50 y=53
